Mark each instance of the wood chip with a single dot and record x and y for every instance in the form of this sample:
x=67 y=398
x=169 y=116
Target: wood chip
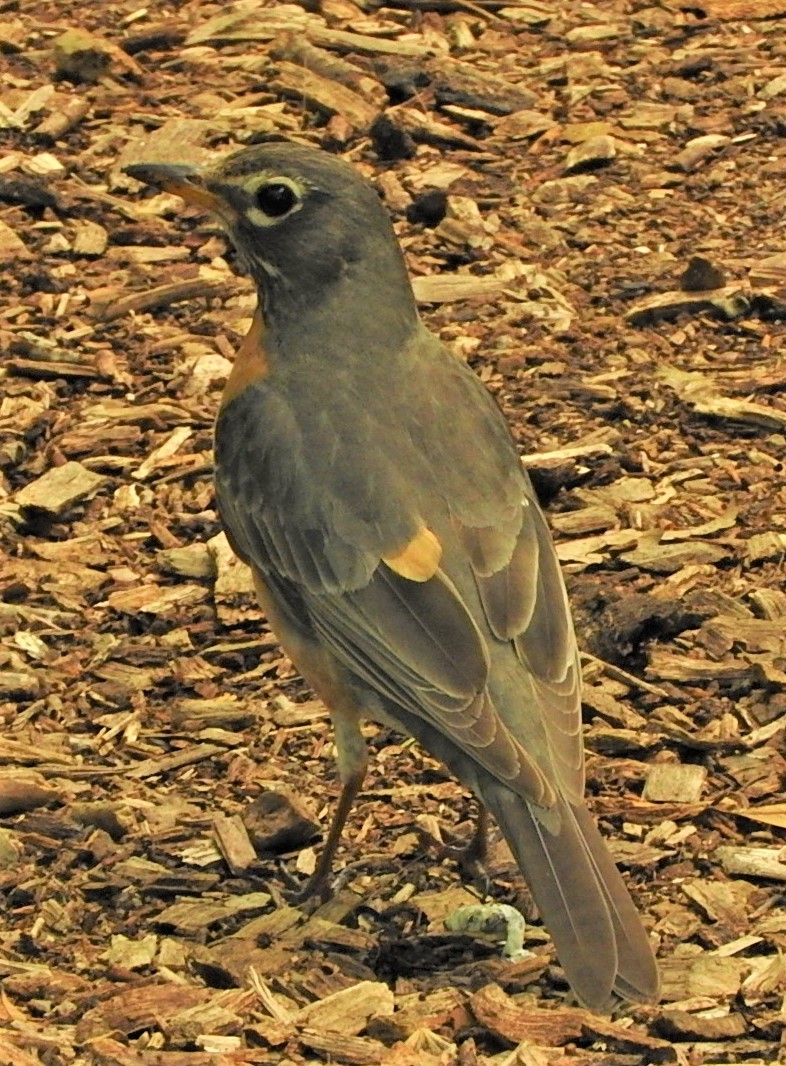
x=24 y=791
x=735 y=10
x=348 y=1010
x=133 y=1009
x=702 y=975
x=445 y=288
x=727 y=303
x=106 y=306
x=674 y=783
x=590 y=154
x=155 y=599
x=679 y=1025
x=502 y=1016
x=698 y=150
x=190 y=916
x=234 y=843
x=56 y=491
x=84 y=57
x=279 y=822
x=338 y=1047
x=167 y=763
x=753 y=862
x=91 y=239
x=168 y=448
x=11 y=245
x=664 y=558
x=324 y=95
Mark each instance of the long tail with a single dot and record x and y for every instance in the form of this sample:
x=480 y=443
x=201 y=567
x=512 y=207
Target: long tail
x=582 y=898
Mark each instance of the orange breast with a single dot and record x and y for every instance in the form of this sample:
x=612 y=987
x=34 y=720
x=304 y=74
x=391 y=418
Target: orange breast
x=250 y=362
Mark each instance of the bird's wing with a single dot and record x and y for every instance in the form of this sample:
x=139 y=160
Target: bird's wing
x=419 y=615
x=524 y=601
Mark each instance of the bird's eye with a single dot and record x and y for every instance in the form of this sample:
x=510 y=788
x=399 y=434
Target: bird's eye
x=276 y=199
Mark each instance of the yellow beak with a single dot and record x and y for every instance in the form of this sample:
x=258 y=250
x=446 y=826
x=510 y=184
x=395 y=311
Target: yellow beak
x=182 y=180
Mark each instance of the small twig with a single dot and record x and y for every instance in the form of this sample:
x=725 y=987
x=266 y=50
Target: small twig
x=619 y=674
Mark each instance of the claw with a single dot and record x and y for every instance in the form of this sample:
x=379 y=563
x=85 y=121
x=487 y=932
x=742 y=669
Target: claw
x=296 y=891
x=470 y=858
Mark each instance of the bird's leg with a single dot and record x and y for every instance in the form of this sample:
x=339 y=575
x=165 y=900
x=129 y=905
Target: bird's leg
x=473 y=856
x=470 y=858
x=333 y=684
x=352 y=758
x=319 y=882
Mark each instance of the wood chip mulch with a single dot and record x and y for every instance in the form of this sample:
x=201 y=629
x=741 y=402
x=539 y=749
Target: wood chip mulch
x=591 y=199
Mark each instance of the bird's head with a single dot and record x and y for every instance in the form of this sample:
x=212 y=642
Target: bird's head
x=303 y=222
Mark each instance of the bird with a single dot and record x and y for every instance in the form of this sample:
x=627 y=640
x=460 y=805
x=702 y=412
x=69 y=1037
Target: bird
x=398 y=550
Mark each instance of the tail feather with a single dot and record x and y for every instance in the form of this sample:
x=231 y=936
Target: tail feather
x=579 y=891
x=637 y=971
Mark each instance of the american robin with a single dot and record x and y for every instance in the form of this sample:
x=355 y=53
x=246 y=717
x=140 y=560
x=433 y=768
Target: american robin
x=370 y=481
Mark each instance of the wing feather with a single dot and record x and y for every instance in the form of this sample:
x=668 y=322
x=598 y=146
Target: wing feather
x=509 y=593
x=466 y=627
x=525 y=602
x=399 y=645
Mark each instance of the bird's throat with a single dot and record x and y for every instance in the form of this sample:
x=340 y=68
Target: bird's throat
x=348 y=321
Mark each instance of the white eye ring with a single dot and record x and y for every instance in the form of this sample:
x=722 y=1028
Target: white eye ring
x=273 y=200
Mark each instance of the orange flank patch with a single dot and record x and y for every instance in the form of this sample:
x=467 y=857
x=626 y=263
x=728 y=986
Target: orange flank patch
x=250 y=362
x=418 y=560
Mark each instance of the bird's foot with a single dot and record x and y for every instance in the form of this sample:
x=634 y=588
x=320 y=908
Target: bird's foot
x=296 y=891
x=470 y=858
x=471 y=862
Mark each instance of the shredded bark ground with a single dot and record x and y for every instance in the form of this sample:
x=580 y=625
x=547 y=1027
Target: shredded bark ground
x=591 y=203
